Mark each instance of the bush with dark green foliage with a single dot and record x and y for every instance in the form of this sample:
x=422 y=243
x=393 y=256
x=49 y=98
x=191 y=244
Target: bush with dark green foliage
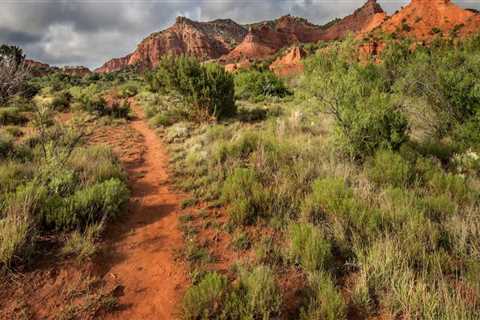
x=61 y=101
x=208 y=90
x=11 y=116
x=258 y=85
x=366 y=117
x=388 y=167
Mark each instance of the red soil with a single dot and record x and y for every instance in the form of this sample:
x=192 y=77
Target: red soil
x=141 y=251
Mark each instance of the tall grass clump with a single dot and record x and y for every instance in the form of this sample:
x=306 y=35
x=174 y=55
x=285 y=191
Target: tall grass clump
x=254 y=296
x=309 y=248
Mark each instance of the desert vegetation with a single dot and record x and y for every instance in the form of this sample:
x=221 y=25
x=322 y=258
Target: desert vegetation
x=349 y=191
x=366 y=180
x=51 y=182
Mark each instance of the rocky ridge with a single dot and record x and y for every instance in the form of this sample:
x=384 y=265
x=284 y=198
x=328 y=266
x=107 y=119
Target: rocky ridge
x=238 y=45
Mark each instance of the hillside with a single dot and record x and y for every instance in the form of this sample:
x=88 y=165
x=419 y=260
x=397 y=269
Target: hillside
x=266 y=38
x=204 y=40
x=423 y=19
x=362 y=21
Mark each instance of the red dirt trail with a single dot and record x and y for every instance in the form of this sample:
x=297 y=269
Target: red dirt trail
x=140 y=255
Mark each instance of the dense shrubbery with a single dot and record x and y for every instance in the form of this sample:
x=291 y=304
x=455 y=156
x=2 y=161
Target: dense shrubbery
x=71 y=188
x=257 y=85
x=207 y=90
x=255 y=296
x=397 y=228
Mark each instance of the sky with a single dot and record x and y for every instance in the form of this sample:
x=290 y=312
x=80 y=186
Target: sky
x=90 y=32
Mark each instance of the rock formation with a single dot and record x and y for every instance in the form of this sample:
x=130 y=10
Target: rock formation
x=362 y=21
x=237 y=46
x=204 y=40
x=266 y=38
x=290 y=63
x=423 y=19
x=78 y=71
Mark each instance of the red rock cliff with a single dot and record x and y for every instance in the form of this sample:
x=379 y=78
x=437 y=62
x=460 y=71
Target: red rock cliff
x=423 y=19
x=266 y=38
x=362 y=21
x=290 y=63
x=204 y=40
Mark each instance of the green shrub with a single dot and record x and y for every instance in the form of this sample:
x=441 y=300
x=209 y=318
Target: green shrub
x=366 y=116
x=454 y=186
x=253 y=84
x=334 y=203
x=262 y=298
x=61 y=101
x=309 y=248
x=208 y=90
x=11 y=116
x=241 y=241
x=268 y=252
x=244 y=194
x=389 y=168
x=6 y=145
x=12 y=175
x=325 y=301
x=376 y=123
x=17 y=224
x=205 y=299
x=255 y=296
x=82 y=245
x=95 y=164
x=96 y=105
x=120 y=110
x=128 y=91
x=329 y=196
x=87 y=206
x=15 y=239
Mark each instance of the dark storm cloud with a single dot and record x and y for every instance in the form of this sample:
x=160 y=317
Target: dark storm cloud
x=18 y=37
x=88 y=32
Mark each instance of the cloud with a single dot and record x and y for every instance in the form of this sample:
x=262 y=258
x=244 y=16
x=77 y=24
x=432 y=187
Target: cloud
x=89 y=32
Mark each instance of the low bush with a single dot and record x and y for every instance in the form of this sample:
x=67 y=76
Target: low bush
x=82 y=245
x=86 y=206
x=15 y=239
x=128 y=91
x=389 y=168
x=120 y=110
x=261 y=295
x=50 y=185
x=255 y=296
x=309 y=248
x=257 y=85
x=205 y=299
x=244 y=194
x=325 y=301
x=11 y=116
x=61 y=101
x=6 y=145
x=207 y=90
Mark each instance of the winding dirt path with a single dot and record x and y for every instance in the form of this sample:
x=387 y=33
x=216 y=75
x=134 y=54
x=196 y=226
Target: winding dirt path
x=140 y=257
